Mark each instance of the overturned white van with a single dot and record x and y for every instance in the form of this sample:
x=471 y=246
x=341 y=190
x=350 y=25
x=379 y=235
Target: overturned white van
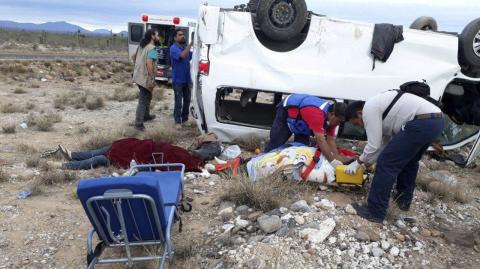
x=246 y=58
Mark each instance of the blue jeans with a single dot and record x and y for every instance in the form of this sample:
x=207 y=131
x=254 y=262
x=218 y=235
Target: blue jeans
x=88 y=159
x=280 y=133
x=182 y=101
x=399 y=162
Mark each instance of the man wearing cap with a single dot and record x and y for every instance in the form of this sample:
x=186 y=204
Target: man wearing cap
x=400 y=128
x=304 y=116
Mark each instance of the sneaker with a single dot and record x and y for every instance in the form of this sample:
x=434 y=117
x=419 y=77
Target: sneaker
x=178 y=126
x=139 y=127
x=149 y=117
x=364 y=212
x=67 y=154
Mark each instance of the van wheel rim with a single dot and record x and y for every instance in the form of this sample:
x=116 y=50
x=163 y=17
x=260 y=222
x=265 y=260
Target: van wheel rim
x=476 y=44
x=282 y=13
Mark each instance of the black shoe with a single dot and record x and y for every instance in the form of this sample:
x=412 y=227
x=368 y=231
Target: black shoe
x=139 y=127
x=401 y=204
x=362 y=211
x=149 y=117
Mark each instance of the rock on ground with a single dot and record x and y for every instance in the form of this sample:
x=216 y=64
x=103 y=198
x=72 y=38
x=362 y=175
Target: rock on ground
x=269 y=224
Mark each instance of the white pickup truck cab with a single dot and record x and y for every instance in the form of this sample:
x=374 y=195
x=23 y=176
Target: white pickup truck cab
x=249 y=57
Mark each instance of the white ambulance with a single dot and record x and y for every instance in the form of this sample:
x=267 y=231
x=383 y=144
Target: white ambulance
x=165 y=25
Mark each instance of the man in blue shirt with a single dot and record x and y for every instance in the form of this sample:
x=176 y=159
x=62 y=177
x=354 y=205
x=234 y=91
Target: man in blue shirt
x=180 y=56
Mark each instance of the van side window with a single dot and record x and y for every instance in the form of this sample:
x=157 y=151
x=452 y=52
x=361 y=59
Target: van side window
x=136 y=33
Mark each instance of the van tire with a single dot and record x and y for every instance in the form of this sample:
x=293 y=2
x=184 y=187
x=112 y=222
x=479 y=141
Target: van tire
x=469 y=55
x=425 y=23
x=281 y=28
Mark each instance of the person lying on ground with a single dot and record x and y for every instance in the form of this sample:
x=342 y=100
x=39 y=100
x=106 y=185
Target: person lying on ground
x=121 y=152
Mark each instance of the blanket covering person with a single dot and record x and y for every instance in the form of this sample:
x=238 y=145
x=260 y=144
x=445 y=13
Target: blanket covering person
x=123 y=151
x=293 y=157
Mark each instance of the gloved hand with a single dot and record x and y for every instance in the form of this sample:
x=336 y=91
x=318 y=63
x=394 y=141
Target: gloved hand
x=352 y=168
x=335 y=163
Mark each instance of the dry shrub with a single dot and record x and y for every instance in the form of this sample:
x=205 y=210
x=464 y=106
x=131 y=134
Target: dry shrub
x=32 y=161
x=84 y=129
x=94 y=102
x=187 y=248
x=57 y=176
x=29 y=106
x=34 y=85
x=9 y=128
x=158 y=95
x=442 y=190
x=36 y=187
x=250 y=143
x=100 y=140
x=27 y=149
x=3 y=176
x=13 y=69
x=11 y=108
x=124 y=94
x=44 y=124
x=60 y=102
x=19 y=91
x=54 y=117
x=265 y=194
x=168 y=135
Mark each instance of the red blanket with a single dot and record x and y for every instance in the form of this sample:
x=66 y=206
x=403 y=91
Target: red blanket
x=125 y=150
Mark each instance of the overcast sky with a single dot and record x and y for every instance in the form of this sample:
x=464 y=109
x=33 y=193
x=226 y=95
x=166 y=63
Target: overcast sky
x=452 y=15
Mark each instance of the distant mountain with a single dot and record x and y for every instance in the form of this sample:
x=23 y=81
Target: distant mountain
x=58 y=27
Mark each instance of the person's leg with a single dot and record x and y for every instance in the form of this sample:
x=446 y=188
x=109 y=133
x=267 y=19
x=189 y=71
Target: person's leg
x=148 y=101
x=404 y=147
x=142 y=106
x=406 y=181
x=85 y=155
x=187 y=95
x=177 y=111
x=279 y=133
x=91 y=163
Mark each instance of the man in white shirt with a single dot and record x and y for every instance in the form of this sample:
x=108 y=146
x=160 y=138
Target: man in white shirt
x=396 y=142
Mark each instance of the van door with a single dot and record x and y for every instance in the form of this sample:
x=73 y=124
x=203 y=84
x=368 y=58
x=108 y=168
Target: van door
x=135 y=35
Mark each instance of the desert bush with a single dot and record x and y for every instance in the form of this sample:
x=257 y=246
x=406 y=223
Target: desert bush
x=14 y=68
x=32 y=160
x=11 y=108
x=9 y=128
x=54 y=117
x=60 y=102
x=94 y=102
x=266 y=194
x=34 y=85
x=158 y=95
x=29 y=106
x=124 y=94
x=443 y=191
x=3 y=176
x=27 y=149
x=44 y=124
x=56 y=176
x=99 y=140
x=19 y=91
x=168 y=135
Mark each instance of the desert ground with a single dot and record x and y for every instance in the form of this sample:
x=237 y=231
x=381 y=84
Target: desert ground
x=87 y=104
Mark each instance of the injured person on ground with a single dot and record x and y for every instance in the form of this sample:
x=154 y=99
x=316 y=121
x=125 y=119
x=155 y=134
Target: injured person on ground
x=121 y=152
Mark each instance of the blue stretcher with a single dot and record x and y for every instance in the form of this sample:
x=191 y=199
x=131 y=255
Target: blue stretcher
x=132 y=211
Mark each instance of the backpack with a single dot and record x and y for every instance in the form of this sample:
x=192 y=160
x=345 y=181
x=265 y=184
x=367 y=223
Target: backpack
x=420 y=89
